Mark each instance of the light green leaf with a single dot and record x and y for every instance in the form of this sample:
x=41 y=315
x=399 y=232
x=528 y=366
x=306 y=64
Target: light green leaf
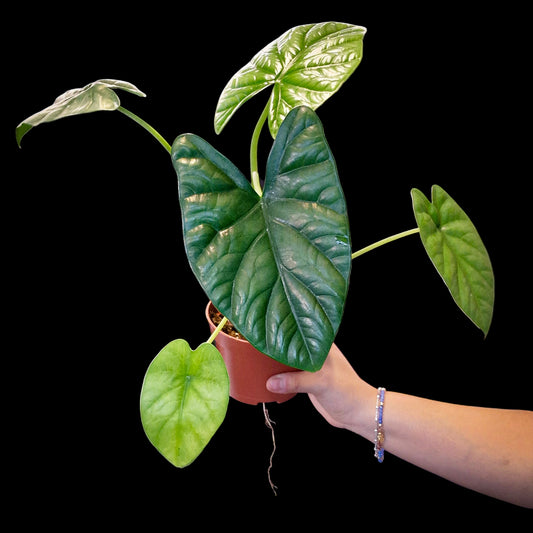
x=305 y=66
x=277 y=266
x=184 y=400
x=96 y=96
x=458 y=253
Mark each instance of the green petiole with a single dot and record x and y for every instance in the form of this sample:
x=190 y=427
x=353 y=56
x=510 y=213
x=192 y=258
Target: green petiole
x=253 y=150
x=384 y=241
x=217 y=330
x=147 y=127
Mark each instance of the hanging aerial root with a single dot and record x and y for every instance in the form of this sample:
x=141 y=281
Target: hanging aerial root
x=269 y=425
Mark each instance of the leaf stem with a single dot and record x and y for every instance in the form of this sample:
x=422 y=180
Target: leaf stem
x=385 y=241
x=253 y=150
x=217 y=330
x=146 y=126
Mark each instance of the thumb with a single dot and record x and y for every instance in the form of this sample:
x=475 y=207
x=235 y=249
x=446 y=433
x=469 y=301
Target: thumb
x=292 y=382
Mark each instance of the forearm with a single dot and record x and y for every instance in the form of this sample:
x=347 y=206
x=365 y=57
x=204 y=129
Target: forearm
x=488 y=450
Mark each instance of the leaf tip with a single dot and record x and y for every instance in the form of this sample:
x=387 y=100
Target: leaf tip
x=21 y=130
x=416 y=193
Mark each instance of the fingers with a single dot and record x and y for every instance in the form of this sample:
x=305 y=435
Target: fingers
x=310 y=382
x=293 y=382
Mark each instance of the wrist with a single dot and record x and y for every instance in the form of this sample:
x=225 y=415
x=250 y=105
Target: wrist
x=363 y=422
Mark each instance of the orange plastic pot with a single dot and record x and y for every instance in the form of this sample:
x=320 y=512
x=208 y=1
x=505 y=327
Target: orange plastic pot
x=248 y=368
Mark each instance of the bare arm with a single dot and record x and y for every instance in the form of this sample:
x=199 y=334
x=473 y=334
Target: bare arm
x=487 y=450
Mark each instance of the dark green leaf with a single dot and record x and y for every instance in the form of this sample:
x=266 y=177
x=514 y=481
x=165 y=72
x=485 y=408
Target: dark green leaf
x=458 y=253
x=276 y=266
x=184 y=400
x=305 y=66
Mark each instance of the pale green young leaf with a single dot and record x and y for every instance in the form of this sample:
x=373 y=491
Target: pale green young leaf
x=184 y=400
x=458 y=253
x=96 y=96
x=304 y=66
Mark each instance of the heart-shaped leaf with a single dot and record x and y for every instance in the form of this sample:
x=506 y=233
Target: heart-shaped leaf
x=96 y=96
x=305 y=66
x=184 y=400
x=458 y=253
x=278 y=265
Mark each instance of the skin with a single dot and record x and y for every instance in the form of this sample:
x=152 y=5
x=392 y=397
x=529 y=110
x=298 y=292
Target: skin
x=483 y=449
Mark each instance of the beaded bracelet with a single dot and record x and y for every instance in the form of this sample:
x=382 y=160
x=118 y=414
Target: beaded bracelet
x=379 y=439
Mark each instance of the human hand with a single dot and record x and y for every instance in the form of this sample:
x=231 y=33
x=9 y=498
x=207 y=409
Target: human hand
x=336 y=391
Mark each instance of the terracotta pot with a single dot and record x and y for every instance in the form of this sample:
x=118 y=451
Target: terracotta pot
x=248 y=368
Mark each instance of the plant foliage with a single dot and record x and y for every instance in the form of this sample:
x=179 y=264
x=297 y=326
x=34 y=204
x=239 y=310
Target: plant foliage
x=184 y=399
x=278 y=265
x=96 y=96
x=458 y=253
x=304 y=66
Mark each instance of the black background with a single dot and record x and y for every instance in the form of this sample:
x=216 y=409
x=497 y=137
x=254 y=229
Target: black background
x=97 y=280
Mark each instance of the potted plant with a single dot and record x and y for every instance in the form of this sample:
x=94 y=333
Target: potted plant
x=273 y=256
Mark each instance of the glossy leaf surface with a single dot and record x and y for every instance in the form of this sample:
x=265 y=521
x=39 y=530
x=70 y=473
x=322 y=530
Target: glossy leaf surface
x=305 y=66
x=184 y=400
x=458 y=253
x=96 y=96
x=278 y=265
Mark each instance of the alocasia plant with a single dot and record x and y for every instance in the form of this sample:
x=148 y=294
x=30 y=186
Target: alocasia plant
x=275 y=261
